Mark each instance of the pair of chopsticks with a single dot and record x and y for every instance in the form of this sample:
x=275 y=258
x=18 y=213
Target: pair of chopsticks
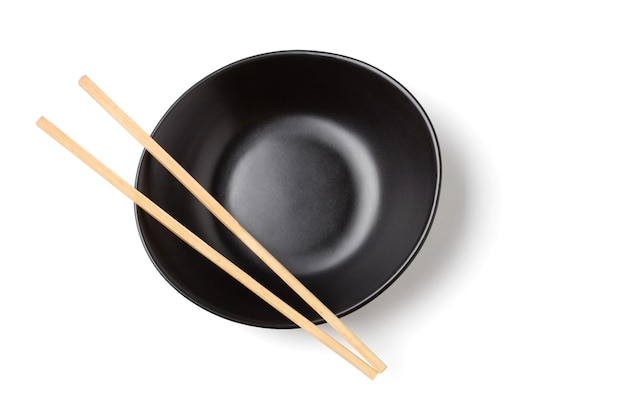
x=371 y=368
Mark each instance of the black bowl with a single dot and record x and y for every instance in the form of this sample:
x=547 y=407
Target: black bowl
x=330 y=163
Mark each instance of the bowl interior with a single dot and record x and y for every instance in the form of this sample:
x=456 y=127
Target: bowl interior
x=328 y=162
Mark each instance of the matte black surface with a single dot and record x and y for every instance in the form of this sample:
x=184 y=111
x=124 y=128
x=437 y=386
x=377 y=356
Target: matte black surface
x=327 y=161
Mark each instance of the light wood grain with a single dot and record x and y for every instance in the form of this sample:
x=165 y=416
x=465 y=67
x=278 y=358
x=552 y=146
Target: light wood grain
x=202 y=247
x=228 y=220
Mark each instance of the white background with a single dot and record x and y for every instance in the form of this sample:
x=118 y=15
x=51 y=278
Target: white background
x=515 y=305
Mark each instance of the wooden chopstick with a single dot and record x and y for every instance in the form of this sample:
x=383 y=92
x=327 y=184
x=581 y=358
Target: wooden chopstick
x=228 y=220
x=202 y=247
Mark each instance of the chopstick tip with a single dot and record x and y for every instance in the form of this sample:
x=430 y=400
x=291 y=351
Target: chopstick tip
x=84 y=80
x=41 y=121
